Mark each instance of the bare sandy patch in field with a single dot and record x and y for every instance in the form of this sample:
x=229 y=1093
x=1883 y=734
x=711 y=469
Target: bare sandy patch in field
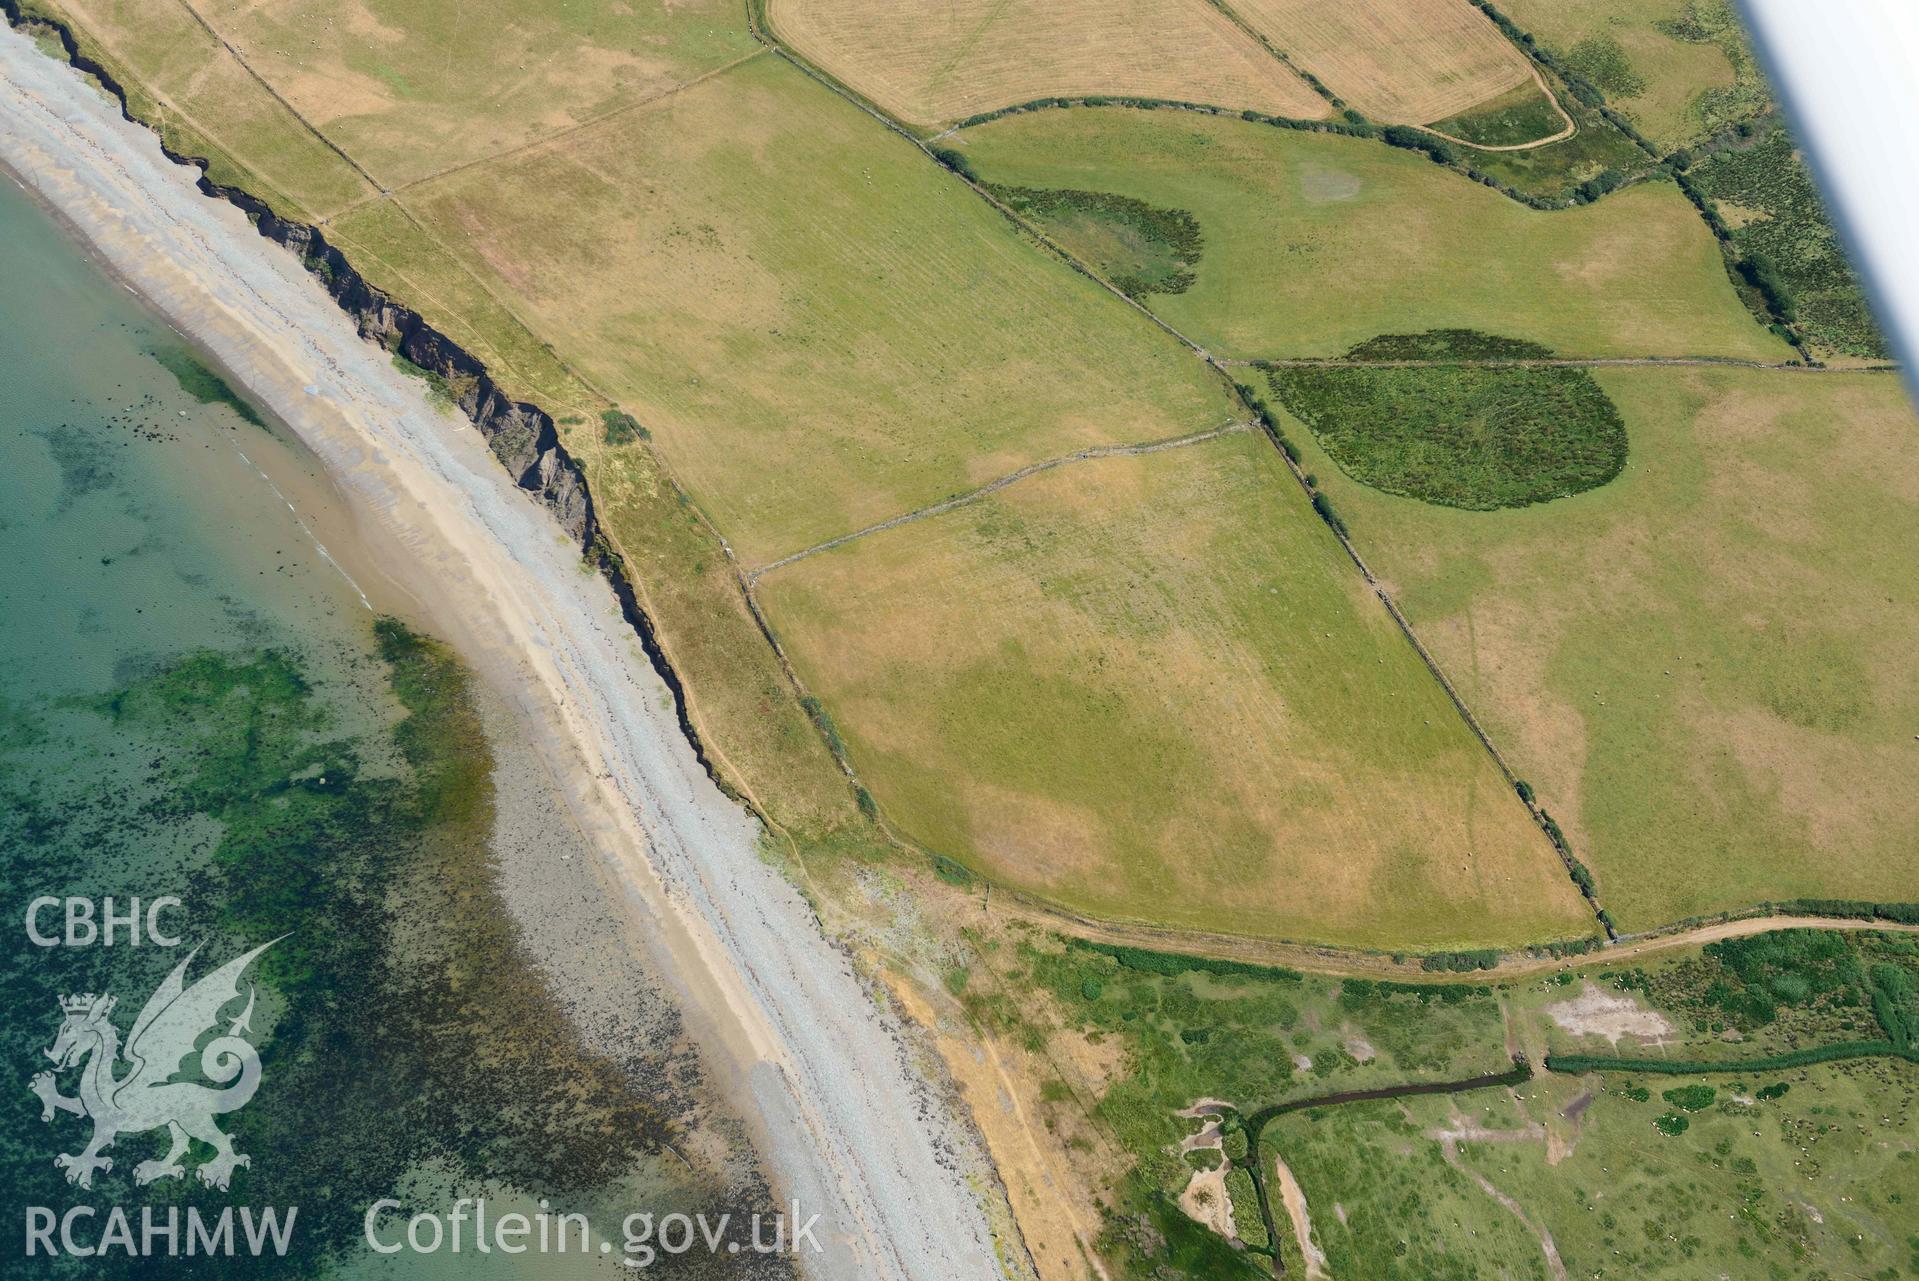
x=1098 y=1063
x=1206 y=1201
x=1300 y=1216
x=1613 y=1015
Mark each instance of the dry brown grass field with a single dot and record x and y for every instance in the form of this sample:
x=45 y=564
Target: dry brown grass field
x=1398 y=61
x=199 y=95
x=411 y=89
x=1704 y=667
x=929 y=64
x=1153 y=688
x=821 y=329
x=805 y=376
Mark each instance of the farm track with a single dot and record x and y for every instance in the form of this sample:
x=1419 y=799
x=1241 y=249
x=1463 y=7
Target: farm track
x=1570 y=129
x=1341 y=962
x=993 y=487
x=560 y=135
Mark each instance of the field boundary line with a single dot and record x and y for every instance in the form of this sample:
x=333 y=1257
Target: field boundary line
x=560 y=135
x=1565 y=856
x=291 y=110
x=1479 y=731
x=1352 y=961
x=1553 y=362
x=994 y=486
x=1280 y=56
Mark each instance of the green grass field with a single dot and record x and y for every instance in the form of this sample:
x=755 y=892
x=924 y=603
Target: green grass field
x=1702 y=667
x=1752 y=1174
x=1153 y=688
x=1515 y=117
x=1315 y=242
x=1679 y=69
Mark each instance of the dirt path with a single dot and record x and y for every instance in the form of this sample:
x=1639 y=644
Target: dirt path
x=1294 y=1198
x=1449 y=1141
x=1565 y=133
x=1339 y=962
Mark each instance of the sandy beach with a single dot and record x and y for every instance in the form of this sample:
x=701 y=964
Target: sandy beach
x=849 y=1125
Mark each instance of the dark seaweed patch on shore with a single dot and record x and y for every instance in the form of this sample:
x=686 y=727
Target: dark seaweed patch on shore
x=201 y=383
x=402 y=1023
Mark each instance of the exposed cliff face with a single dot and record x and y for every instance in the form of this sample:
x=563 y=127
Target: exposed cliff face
x=520 y=435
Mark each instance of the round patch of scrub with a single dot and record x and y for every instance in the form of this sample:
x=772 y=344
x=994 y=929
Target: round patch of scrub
x=1458 y=430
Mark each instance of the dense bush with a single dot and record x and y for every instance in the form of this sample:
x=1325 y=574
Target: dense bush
x=1141 y=248
x=955 y=160
x=1787 y=249
x=1411 y=139
x=1477 y=437
x=1324 y=506
x=622 y=428
x=1579 y=1064
x=1460 y=962
x=1169 y=964
x=1691 y=1098
x=1447 y=344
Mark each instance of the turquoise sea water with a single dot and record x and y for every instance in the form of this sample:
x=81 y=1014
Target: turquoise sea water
x=134 y=530
x=196 y=702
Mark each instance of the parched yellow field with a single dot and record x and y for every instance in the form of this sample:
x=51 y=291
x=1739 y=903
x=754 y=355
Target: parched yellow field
x=180 y=78
x=1704 y=667
x=820 y=328
x=1397 y=61
x=932 y=63
x=410 y=88
x=1153 y=688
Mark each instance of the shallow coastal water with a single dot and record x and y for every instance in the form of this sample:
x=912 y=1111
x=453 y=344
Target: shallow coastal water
x=836 y=1092
x=200 y=700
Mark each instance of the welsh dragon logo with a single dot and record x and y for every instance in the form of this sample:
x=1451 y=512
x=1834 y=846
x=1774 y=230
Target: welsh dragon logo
x=146 y=1097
